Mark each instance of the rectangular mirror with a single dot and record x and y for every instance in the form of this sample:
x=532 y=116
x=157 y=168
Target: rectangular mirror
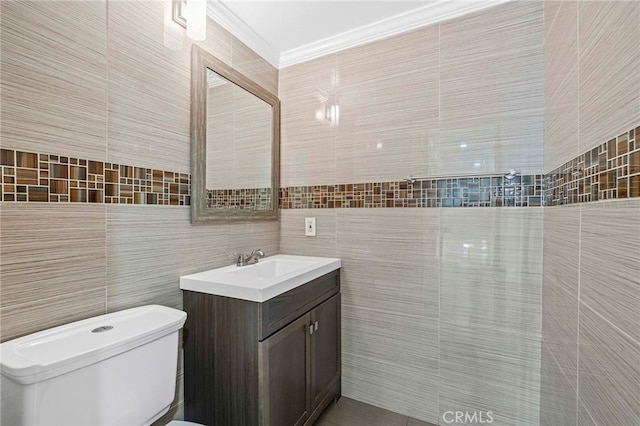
x=235 y=135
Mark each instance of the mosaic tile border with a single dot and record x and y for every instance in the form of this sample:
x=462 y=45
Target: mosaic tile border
x=469 y=191
x=608 y=171
x=36 y=177
x=243 y=198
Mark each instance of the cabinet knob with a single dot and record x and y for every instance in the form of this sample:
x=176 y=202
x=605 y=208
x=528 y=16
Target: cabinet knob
x=311 y=329
x=315 y=326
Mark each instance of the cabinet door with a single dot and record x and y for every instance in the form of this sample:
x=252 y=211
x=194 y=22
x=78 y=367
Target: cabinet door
x=325 y=348
x=284 y=375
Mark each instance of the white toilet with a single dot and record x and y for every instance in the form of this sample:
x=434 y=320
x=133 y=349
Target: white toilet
x=114 y=369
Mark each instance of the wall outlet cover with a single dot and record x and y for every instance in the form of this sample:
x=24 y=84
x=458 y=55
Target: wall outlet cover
x=310 y=226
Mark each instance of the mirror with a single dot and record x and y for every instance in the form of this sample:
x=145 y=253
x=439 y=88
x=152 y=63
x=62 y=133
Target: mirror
x=235 y=138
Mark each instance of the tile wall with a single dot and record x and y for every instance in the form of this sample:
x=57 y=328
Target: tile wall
x=610 y=170
x=94 y=115
x=464 y=191
x=33 y=177
x=441 y=307
x=590 y=366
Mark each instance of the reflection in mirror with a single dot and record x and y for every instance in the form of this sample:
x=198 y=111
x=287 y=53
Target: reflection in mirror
x=235 y=137
x=239 y=132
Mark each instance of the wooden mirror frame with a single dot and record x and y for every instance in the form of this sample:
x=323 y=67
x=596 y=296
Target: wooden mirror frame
x=201 y=60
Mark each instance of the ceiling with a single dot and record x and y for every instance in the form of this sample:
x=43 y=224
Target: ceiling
x=293 y=31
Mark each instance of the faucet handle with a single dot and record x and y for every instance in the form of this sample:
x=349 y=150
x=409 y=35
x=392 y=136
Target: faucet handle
x=241 y=259
x=258 y=253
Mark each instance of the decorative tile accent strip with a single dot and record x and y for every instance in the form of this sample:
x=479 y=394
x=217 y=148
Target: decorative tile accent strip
x=34 y=177
x=245 y=198
x=608 y=171
x=467 y=191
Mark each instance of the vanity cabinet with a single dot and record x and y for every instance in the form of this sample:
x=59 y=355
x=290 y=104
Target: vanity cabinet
x=272 y=363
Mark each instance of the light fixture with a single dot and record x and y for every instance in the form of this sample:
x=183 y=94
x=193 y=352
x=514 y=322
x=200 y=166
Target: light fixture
x=511 y=174
x=191 y=15
x=328 y=110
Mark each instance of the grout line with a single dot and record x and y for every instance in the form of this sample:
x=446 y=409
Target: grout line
x=578 y=403
x=553 y=21
x=556 y=361
x=440 y=218
x=579 y=224
x=624 y=334
x=106 y=157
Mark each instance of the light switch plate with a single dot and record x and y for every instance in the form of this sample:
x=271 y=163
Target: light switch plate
x=310 y=226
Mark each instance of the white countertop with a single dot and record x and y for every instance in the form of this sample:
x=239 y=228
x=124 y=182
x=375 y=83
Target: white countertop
x=268 y=278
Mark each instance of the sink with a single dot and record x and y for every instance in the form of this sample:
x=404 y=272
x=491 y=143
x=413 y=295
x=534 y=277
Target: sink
x=272 y=267
x=259 y=282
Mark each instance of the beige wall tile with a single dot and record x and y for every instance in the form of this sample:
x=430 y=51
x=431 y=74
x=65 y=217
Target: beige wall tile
x=50 y=250
x=561 y=72
x=246 y=237
x=560 y=286
x=43 y=313
x=490 y=304
x=53 y=77
x=609 y=369
x=390 y=259
x=388 y=98
x=150 y=247
x=307 y=141
x=373 y=333
x=592 y=93
x=247 y=62
x=609 y=267
x=491 y=92
x=389 y=285
x=218 y=41
x=398 y=388
x=293 y=240
x=50 y=253
x=609 y=63
x=557 y=393
x=149 y=90
x=584 y=418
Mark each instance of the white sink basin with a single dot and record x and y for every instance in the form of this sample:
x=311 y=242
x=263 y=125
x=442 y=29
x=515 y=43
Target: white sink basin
x=272 y=267
x=268 y=278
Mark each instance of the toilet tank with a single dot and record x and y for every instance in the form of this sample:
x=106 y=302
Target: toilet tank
x=114 y=369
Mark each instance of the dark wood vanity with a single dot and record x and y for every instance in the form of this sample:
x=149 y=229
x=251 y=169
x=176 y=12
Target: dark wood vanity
x=273 y=363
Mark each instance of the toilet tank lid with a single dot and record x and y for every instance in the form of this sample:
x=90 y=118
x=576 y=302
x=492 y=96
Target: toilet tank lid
x=58 y=350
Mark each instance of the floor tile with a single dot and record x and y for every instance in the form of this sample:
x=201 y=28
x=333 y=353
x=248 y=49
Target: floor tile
x=349 y=412
x=415 y=422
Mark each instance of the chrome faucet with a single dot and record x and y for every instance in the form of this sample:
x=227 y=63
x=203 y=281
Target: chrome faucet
x=249 y=259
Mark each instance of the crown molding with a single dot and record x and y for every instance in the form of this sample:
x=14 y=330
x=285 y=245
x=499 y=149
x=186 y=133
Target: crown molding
x=429 y=14
x=417 y=18
x=238 y=28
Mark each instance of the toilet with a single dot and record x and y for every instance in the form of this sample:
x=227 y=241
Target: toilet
x=114 y=369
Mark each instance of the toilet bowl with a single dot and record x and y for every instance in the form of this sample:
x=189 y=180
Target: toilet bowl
x=114 y=369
